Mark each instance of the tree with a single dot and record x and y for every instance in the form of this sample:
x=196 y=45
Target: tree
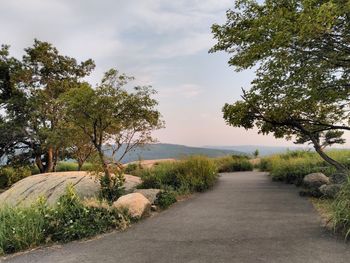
x=256 y=153
x=110 y=116
x=79 y=146
x=30 y=99
x=301 y=50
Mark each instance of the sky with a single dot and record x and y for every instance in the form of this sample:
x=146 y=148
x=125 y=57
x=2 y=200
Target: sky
x=163 y=43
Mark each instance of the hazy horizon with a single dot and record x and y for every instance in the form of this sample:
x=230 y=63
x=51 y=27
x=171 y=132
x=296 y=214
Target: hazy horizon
x=162 y=43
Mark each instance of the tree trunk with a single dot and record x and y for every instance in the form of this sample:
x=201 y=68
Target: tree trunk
x=340 y=167
x=104 y=164
x=80 y=164
x=39 y=164
x=49 y=162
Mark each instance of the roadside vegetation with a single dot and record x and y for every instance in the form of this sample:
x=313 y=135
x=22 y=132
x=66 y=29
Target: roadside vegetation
x=69 y=219
x=234 y=163
x=293 y=166
x=194 y=174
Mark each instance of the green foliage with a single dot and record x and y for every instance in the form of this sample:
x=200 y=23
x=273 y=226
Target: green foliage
x=165 y=199
x=293 y=166
x=119 y=120
x=10 y=175
x=69 y=219
x=233 y=164
x=33 y=86
x=133 y=169
x=72 y=166
x=341 y=210
x=22 y=228
x=301 y=86
x=195 y=173
x=112 y=187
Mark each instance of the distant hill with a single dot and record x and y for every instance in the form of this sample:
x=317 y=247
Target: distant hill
x=263 y=150
x=165 y=151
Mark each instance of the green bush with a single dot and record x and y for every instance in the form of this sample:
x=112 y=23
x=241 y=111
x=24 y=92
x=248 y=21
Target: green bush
x=22 y=228
x=112 y=188
x=165 y=199
x=294 y=165
x=10 y=175
x=195 y=173
x=132 y=169
x=233 y=164
x=69 y=219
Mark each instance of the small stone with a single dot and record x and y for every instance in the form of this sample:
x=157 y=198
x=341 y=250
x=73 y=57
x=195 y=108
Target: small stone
x=154 y=208
x=330 y=190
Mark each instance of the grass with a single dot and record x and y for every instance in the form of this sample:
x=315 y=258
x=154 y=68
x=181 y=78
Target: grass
x=340 y=210
x=21 y=228
x=233 y=164
x=70 y=219
x=293 y=166
x=194 y=174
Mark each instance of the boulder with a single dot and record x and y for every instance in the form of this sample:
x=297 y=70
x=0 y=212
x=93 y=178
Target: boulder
x=53 y=185
x=330 y=190
x=150 y=194
x=136 y=204
x=315 y=180
x=338 y=178
x=131 y=182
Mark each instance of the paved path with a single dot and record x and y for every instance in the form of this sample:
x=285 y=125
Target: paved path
x=245 y=218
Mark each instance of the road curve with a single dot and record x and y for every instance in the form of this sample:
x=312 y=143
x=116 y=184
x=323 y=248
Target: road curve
x=245 y=218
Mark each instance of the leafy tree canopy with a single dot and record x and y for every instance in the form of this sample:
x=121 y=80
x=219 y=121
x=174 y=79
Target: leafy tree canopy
x=301 y=52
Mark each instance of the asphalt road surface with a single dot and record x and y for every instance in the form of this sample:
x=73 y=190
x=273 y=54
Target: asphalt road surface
x=244 y=218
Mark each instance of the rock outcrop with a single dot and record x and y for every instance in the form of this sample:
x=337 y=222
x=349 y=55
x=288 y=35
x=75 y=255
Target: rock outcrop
x=53 y=185
x=50 y=186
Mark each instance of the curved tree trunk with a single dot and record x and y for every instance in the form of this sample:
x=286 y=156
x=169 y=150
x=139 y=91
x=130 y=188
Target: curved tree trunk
x=340 y=167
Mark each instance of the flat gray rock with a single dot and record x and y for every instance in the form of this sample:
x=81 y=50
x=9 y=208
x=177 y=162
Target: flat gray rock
x=53 y=185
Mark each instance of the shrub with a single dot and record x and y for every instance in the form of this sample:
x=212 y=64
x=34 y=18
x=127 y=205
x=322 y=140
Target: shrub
x=69 y=219
x=165 y=199
x=10 y=175
x=132 y=168
x=195 y=173
x=294 y=165
x=112 y=188
x=233 y=164
x=22 y=228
